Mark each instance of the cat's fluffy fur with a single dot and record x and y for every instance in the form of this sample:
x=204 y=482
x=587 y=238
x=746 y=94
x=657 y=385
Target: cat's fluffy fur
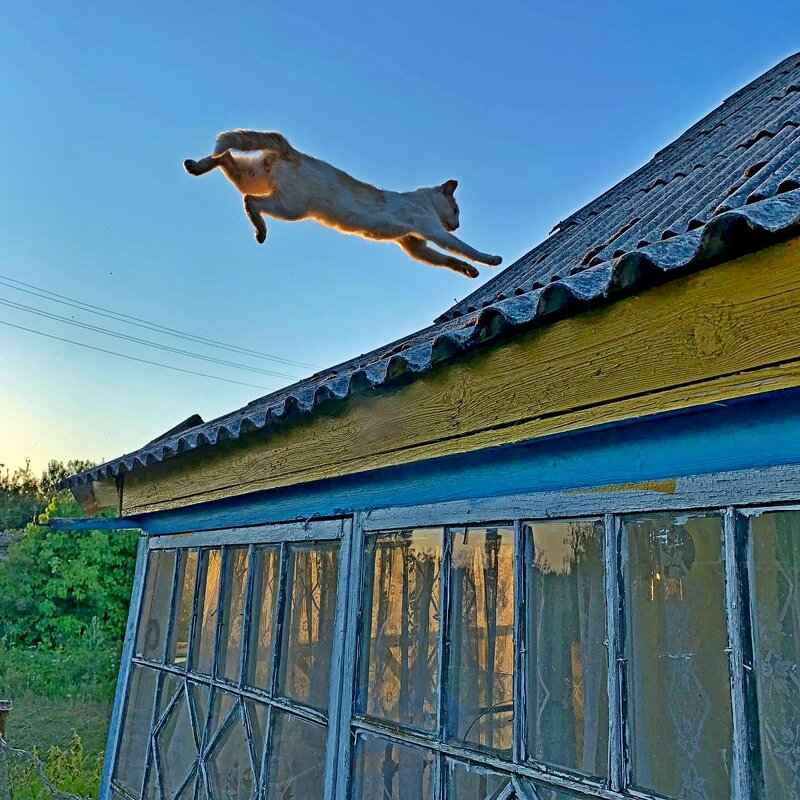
x=282 y=182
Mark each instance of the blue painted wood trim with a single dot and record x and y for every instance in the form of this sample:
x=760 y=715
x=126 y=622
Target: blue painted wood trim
x=743 y=434
x=115 y=726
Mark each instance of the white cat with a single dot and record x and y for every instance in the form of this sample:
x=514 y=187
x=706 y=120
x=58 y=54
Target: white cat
x=287 y=184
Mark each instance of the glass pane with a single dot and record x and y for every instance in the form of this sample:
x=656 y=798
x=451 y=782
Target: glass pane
x=257 y=715
x=308 y=626
x=544 y=792
x=399 y=673
x=229 y=764
x=481 y=692
x=207 y=603
x=135 y=734
x=187 y=573
x=176 y=745
x=233 y=613
x=221 y=705
x=386 y=770
x=262 y=625
x=154 y=614
x=678 y=690
x=297 y=759
x=199 y=694
x=775 y=574
x=467 y=782
x=567 y=666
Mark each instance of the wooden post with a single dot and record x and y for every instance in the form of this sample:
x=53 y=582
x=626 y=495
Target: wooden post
x=5 y=710
x=5 y=763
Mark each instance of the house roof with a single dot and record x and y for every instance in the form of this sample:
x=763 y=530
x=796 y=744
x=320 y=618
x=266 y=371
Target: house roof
x=746 y=150
x=729 y=185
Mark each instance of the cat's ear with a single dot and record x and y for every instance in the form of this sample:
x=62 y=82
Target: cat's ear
x=449 y=187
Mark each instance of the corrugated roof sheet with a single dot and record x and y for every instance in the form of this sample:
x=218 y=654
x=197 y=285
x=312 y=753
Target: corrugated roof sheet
x=746 y=150
x=729 y=185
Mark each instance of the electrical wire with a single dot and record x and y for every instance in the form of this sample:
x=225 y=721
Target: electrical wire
x=137 y=340
x=46 y=294
x=130 y=358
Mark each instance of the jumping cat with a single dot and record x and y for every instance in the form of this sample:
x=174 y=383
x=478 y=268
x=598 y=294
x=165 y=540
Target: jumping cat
x=287 y=184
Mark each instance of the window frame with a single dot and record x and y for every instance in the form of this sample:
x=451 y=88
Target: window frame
x=280 y=535
x=736 y=495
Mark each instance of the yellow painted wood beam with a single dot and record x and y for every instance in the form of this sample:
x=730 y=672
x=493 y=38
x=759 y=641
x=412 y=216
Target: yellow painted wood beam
x=729 y=331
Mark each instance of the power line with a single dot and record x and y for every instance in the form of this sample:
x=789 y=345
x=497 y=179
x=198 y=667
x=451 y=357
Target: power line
x=130 y=358
x=137 y=340
x=46 y=294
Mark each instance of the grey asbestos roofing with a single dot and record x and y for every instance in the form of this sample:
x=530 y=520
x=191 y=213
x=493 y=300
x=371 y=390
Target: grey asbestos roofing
x=729 y=185
x=746 y=150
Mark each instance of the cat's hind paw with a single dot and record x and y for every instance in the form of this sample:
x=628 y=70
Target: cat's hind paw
x=192 y=167
x=494 y=261
x=261 y=235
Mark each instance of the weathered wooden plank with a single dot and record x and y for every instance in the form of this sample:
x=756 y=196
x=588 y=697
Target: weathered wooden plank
x=735 y=555
x=702 y=339
x=318 y=530
x=98 y=496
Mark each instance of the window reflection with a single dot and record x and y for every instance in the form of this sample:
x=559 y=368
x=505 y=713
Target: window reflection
x=154 y=615
x=262 y=625
x=297 y=759
x=208 y=601
x=187 y=573
x=467 y=782
x=385 y=770
x=775 y=576
x=235 y=587
x=400 y=671
x=481 y=663
x=678 y=691
x=308 y=627
x=567 y=664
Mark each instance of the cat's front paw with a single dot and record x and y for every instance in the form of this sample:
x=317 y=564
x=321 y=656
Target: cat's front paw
x=261 y=236
x=465 y=269
x=190 y=165
x=494 y=261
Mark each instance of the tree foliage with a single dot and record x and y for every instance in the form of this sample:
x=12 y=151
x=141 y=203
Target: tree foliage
x=57 y=587
x=20 y=497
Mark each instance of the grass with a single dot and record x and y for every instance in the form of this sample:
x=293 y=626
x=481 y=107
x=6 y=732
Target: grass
x=62 y=705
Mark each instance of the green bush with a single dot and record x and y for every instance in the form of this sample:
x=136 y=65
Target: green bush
x=69 y=769
x=56 y=585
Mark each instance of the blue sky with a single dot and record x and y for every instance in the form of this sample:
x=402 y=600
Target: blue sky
x=534 y=107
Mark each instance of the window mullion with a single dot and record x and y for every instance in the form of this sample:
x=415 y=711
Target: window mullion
x=124 y=679
x=444 y=634
x=343 y=661
x=522 y=556
x=614 y=556
x=734 y=574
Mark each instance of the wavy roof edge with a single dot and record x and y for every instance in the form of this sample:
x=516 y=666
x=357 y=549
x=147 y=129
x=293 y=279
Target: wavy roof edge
x=729 y=235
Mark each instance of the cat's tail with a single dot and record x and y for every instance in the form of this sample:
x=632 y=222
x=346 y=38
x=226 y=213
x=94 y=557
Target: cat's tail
x=252 y=140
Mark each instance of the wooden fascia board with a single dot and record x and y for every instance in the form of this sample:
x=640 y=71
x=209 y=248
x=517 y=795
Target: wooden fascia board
x=726 y=332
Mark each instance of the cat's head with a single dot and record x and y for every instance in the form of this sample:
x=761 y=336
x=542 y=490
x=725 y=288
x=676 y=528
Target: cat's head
x=445 y=204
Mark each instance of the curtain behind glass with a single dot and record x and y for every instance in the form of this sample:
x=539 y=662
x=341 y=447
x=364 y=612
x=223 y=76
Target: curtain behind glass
x=567 y=664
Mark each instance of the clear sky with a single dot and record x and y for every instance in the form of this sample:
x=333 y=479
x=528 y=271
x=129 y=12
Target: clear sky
x=534 y=107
